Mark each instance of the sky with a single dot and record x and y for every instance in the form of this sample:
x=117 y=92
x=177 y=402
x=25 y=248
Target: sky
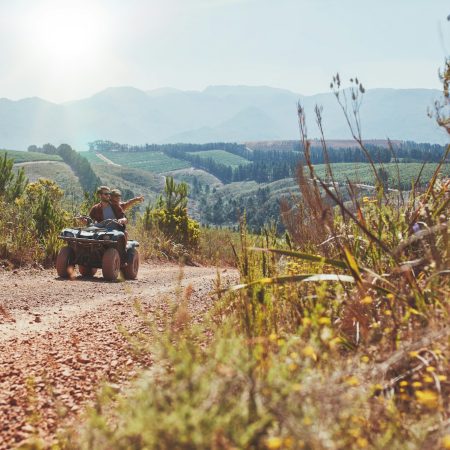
x=64 y=50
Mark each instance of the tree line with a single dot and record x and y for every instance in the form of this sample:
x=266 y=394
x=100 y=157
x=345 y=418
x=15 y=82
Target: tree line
x=273 y=163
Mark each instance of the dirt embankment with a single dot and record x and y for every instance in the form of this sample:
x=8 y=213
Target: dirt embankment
x=60 y=339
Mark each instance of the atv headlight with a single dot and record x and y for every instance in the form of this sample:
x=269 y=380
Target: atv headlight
x=68 y=234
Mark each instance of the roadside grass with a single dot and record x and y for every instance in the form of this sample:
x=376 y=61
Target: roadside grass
x=304 y=365
x=335 y=338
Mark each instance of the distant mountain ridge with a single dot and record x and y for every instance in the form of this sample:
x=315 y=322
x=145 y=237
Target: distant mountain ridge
x=218 y=113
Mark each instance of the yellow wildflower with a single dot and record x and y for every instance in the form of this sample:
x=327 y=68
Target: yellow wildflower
x=273 y=443
x=324 y=321
x=362 y=442
x=309 y=351
x=446 y=442
x=427 y=398
x=352 y=381
x=306 y=321
x=307 y=421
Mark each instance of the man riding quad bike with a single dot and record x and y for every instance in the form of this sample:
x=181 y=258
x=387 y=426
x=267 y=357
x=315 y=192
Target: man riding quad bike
x=102 y=245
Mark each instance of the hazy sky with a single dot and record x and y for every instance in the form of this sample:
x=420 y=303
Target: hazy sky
x=62 y=50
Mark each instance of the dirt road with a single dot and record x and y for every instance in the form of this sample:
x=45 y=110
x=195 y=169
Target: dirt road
x=60 y=339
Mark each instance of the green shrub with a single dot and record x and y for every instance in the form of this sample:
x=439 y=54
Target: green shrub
x=30 y=224
x=170 y=215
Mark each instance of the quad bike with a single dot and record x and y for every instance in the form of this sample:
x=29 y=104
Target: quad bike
x=102 y=245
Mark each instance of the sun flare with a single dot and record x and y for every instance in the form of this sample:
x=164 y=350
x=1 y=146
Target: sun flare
x=65 y=34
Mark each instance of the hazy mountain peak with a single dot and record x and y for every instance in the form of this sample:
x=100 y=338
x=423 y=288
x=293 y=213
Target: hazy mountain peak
x=218 y=113
x=160 y=92
x=226 y=90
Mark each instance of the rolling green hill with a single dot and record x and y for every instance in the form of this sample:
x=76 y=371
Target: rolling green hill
x=150 y=161
x=57 y=171
x=20 y=156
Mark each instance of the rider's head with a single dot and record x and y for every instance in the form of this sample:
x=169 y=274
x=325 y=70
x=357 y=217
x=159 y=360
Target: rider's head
x=116 y=196
x=104 y=193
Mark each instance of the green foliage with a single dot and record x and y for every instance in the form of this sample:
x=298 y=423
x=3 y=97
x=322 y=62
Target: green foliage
x=11 y=185
x=88 y=179
x=170 y=215
x=32 y=216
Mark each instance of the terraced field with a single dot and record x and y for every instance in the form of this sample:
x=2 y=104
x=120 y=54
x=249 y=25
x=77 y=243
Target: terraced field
x=20 y=156
x=362 y=172
x=151 y=161
x=222 y=157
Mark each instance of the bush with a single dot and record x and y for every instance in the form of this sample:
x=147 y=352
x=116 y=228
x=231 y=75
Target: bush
x=29 y=225
x=170 y=215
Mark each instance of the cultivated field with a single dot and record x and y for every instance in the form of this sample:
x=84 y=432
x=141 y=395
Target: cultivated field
x=362 y=172
x=222 y=157
x=150 y=161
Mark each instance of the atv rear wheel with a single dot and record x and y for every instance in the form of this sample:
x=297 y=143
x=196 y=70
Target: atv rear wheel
x=86 y=271
x=131 y=269
x=64 y=262
x=111 y=264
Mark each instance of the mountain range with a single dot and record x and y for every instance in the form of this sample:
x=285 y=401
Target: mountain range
x=218 y=113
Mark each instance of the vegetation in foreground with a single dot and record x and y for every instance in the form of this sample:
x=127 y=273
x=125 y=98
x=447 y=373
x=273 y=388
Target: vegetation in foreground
x=336 y=338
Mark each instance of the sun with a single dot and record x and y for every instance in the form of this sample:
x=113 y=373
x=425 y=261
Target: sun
x=66 y=34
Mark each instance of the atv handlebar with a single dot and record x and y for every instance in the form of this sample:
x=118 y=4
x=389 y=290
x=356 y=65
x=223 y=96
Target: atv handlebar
x=88 y=220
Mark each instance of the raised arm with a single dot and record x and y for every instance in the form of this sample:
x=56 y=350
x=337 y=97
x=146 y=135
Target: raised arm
x=129 y=203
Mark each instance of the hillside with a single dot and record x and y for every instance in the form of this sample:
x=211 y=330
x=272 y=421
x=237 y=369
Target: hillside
x=57 y=171
x=218 y=113
x=20 y=156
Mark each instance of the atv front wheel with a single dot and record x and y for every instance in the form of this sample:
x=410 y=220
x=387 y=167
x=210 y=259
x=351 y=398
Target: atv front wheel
x=86 y=271
x=131 y=269
x=64 y=262
x=111 y=264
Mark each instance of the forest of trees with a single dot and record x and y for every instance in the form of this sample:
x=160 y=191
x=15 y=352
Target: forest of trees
x=274 y=164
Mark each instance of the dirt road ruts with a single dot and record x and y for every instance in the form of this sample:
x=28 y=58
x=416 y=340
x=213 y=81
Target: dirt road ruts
x=60 y=339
